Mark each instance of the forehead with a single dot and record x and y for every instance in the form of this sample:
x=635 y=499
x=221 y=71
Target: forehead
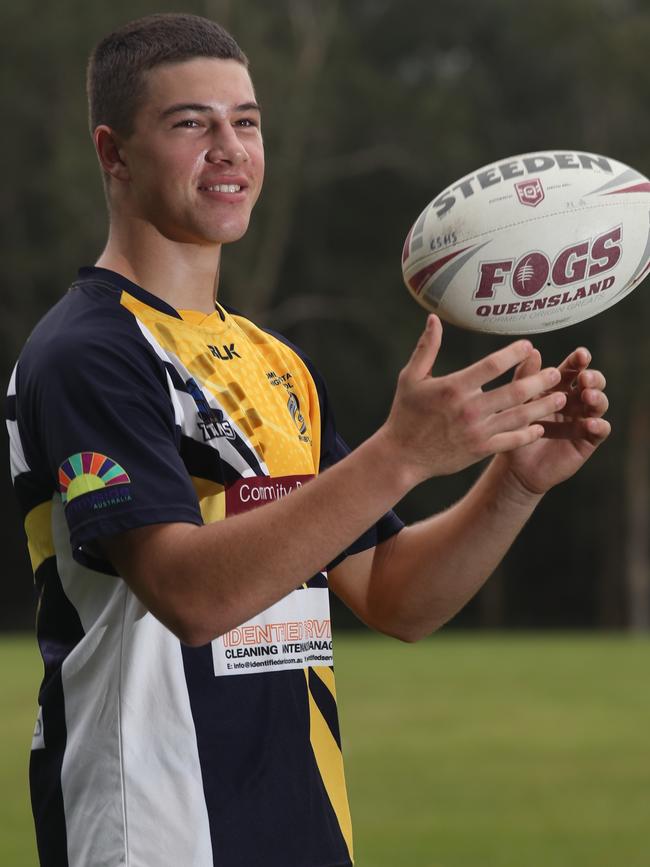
x=210 y=81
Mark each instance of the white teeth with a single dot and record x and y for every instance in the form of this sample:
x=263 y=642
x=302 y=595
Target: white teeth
x=223 y=188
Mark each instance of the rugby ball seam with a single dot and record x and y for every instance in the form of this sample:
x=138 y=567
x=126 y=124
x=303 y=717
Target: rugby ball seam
x=536 y=219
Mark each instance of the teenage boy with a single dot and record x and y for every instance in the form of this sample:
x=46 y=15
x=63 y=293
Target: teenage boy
x=184 y=488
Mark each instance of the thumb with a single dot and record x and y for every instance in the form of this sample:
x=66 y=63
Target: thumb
x=426 y=350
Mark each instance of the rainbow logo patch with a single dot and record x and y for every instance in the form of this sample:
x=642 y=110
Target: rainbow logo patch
x=89 y=471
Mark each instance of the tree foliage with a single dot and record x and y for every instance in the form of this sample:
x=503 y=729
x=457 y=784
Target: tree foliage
x=371 y=108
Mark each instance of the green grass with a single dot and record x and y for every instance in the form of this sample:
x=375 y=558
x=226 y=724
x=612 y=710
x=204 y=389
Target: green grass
x=498 y=751
x=20 y=674
x=462 y=751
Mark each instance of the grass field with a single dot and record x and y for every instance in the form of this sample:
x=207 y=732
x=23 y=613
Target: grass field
x=468 y=750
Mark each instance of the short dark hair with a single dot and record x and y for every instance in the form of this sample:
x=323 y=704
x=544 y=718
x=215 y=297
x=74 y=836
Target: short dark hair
x=115 y=76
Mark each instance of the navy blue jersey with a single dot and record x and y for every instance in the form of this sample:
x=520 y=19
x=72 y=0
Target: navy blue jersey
x=123 y=412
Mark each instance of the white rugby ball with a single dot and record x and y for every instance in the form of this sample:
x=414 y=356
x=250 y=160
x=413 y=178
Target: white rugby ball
x=531 y=243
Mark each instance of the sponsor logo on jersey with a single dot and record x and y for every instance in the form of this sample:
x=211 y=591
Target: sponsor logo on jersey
x=99 y=479
x=293 y=403
x=294 y=633
x=284 y=379
x=211 y=422
x=224 y=352
x=252 y=491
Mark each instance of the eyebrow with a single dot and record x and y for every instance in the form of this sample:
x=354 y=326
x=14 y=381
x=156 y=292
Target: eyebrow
x=200 y=107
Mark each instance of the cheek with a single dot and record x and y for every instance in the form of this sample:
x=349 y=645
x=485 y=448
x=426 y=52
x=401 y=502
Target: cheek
x=258 y=162
x=152 y=174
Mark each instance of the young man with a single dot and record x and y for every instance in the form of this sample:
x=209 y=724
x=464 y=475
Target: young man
x=169 y=456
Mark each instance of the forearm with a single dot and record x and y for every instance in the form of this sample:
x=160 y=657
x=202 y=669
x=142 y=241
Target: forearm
x=426 y=574
x=203 y=581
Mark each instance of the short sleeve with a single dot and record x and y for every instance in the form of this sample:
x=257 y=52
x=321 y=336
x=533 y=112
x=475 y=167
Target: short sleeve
x=96 y=417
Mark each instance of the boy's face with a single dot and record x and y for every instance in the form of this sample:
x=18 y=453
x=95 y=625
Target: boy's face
x=195 y=159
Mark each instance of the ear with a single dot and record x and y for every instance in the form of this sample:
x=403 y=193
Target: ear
x=110 y=152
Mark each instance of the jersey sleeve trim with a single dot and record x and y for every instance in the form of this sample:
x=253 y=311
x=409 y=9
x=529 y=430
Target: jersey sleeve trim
x=92 y=528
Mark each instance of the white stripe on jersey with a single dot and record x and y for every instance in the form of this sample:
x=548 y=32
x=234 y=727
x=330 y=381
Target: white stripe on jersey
x=17 y=458
x=11 y=388
x=18 y=462
x=178 y=409
x=131 y=753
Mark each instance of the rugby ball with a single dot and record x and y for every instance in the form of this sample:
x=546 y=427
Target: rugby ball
x=531 y=243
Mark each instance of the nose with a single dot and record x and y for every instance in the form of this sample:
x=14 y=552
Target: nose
x=226 y=148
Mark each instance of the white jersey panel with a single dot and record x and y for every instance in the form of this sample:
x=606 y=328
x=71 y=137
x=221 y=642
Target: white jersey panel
x=131 y=752
x=17 y=461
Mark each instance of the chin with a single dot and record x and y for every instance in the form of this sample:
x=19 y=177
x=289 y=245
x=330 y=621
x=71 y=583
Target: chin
x=205 y=236
x=229 y=234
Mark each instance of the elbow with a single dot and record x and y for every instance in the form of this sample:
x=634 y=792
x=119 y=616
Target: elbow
x=196 y=625
x=409 y=631
x=192 y=624
x=410 y=635
x=192 y=636
x=404 y=622
x=190 y=631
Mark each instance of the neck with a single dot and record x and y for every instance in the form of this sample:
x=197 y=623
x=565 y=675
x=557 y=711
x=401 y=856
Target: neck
x=184 y=275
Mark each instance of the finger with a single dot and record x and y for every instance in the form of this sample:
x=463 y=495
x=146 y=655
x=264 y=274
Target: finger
x=426 y=351
x=592 y=430
x=529 y=366
x=592 y=379
x=586 y=405
x=594 y=403
x=571 y=429
x=588 y=397
x=597 y=429
x=519 y=391
x=526 y=414
x=496 y=364
x=573 y=365
x=506 y=442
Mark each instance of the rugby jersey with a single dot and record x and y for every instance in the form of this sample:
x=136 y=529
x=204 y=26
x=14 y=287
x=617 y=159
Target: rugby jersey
x=122 y=412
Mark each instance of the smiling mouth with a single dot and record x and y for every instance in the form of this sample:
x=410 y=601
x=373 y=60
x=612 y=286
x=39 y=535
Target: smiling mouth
x=221 y=188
